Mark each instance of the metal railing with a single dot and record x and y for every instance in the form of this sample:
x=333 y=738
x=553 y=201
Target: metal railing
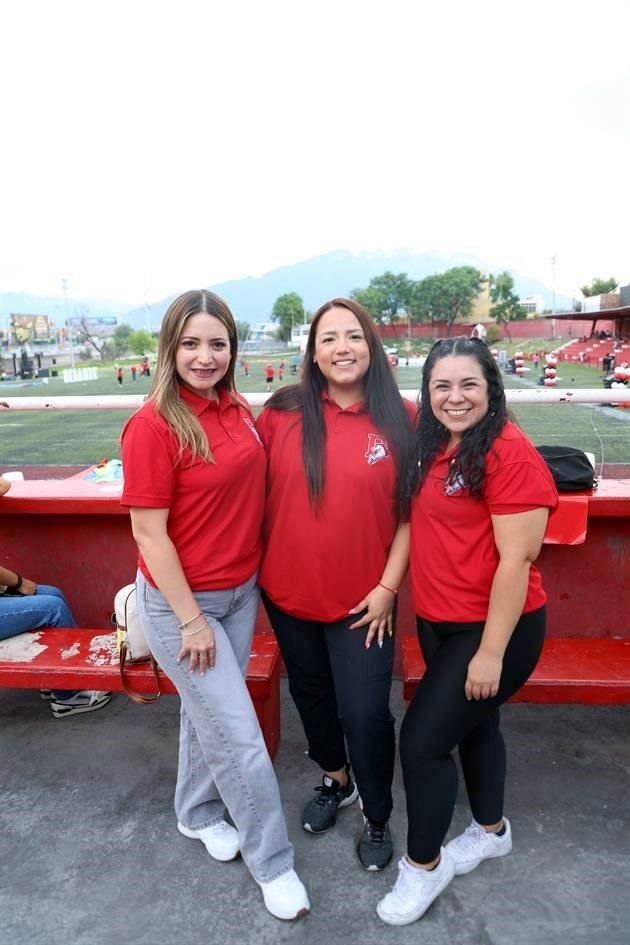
x=536 y=395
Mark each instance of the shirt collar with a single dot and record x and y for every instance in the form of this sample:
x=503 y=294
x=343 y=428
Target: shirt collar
x=199 y=404
x=359 y=407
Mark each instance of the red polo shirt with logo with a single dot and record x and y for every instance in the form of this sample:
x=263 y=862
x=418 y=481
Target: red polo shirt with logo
x=215 y=509
x=319 y=564
x=453 y=553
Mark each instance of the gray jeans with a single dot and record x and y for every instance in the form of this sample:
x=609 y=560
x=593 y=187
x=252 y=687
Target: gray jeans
x=223 y=760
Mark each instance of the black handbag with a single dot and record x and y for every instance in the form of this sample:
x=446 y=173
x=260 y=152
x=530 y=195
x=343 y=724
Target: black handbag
x=571 y=468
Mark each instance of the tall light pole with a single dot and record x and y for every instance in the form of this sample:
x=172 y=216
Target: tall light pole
x=64 y=286
x=553 y=296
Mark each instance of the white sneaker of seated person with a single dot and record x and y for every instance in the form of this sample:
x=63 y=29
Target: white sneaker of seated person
x=477 y=844
x=221 y=840
x=85 y=700
x=414 y=890
x=285 y=896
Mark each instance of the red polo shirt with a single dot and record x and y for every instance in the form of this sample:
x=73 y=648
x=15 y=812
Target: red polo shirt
x=453 y=554
x=215 y=509
x=317 y=566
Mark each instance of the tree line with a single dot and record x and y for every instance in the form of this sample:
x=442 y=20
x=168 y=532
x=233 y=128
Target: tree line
x=394 y=298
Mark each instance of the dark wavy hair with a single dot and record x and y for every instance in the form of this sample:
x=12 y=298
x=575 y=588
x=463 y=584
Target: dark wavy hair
x=382 y=400
x=432 y=436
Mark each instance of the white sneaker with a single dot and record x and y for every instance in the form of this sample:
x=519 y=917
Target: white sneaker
x=285 y=897
x=85 y=700
x=414 y=891
x=221 y=840
x=475 y=845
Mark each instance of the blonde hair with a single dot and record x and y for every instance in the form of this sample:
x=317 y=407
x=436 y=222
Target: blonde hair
x=165 y=390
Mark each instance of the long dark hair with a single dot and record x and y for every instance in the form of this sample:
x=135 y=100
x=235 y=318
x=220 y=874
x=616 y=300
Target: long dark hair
x=468 y=464
x=382 y=399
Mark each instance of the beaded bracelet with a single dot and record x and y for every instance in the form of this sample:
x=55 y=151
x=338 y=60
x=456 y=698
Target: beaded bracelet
x=385 y=587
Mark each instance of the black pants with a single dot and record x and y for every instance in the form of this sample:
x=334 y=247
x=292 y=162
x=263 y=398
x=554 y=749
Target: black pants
x=440 y=718
x=341 y=691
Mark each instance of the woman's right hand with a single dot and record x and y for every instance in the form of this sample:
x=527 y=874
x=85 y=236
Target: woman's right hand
x=28 y=587
x=200 y=649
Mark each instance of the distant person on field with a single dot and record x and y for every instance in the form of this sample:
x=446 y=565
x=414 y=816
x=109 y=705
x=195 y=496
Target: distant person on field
x=134 y=371
x=269 y=375
x=119 y=375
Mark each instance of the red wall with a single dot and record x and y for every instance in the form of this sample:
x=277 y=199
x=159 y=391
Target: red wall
x=91 y=554
x=529 y=328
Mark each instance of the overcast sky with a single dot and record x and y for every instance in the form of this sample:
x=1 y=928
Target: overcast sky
x=151 y=147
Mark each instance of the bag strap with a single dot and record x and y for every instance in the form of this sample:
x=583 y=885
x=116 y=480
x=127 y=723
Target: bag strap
x=127 y=598
x=138 y=696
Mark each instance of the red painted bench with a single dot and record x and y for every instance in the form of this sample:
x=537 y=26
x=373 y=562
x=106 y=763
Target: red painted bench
x=589 y=671
x=56 y=658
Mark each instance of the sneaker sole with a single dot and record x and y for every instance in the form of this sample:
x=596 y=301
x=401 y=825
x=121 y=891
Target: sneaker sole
x=347 y=801
x=373 y=868
x=78 y=709
x=465 y=868
x=288 y=918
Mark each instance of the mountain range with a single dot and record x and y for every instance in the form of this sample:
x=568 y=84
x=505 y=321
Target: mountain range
x=251 y=299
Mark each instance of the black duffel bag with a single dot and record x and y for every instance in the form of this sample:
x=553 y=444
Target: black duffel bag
x=571 y=468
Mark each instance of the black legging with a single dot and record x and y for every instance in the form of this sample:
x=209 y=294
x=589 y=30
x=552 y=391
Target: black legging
x=341 y=689
x=441 y=718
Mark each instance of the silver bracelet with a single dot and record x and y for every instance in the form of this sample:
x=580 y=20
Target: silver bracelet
x=187 y=622
x=194 y=633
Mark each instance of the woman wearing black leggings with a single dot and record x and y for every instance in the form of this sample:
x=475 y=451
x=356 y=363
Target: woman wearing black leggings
x=478 y=519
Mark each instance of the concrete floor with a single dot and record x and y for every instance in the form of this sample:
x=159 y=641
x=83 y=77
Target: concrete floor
x=89 y=853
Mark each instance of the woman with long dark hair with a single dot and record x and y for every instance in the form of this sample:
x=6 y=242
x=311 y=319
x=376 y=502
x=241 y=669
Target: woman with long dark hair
x=336 y=550
x=195 y=486
x=482 y=500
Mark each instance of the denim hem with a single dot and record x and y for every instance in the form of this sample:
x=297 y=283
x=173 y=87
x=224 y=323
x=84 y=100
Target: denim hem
x=211 y=823
x=276 y=875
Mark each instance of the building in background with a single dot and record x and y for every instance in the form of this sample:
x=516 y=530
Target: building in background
x=101 y=326
x=30 y=329
x=533 y=305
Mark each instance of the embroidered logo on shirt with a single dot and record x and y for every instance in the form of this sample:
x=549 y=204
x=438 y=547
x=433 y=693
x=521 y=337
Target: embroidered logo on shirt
x=377 y=449
x=251 y=426
x=450 y=488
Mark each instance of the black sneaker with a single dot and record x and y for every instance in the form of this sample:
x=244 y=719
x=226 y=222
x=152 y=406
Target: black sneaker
x=375 y=848
x=320 y=814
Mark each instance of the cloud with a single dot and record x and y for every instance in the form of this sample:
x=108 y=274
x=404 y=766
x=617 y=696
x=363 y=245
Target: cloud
x=154 y=146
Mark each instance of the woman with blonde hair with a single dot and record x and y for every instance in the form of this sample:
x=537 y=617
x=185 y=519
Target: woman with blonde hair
x=195 y=484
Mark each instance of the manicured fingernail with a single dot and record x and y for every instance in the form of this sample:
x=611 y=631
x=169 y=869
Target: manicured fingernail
x=380 y=643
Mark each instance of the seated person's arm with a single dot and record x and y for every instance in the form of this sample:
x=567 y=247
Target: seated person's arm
x=15 y=583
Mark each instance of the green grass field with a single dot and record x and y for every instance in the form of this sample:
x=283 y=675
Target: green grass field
x=86 y=437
